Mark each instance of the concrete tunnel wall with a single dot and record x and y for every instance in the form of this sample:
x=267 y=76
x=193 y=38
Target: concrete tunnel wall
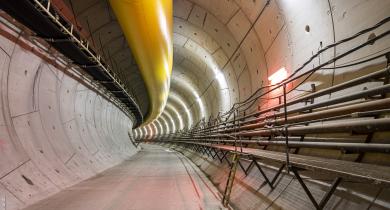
x=250 y=40
x=267 y=37
x=287 y=33
x=54 y=131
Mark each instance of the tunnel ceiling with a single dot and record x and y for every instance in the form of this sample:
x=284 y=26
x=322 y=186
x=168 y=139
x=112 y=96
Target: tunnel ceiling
x=210 y=59
x=58 y=127
x=207 y=60
x=223 y=50
x=204 y=81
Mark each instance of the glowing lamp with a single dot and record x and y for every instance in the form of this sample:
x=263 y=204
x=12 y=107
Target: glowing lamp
x=278 y=76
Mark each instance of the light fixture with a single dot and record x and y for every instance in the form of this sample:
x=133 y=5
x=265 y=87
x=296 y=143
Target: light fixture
x=278 y=76
x=166 y=124
x=171 y=120
x=174 y=110
x=179 y=100
x=161 y=132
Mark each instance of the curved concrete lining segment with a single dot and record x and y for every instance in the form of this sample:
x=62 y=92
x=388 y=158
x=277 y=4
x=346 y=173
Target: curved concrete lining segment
x=184 y=108
x=57 y=130
x=176 y=114
x=171 y=121
x=192 y=92
x=54 y=130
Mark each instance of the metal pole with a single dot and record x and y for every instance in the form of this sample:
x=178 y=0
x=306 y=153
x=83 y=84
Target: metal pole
x=286 y=128
x=235 y=137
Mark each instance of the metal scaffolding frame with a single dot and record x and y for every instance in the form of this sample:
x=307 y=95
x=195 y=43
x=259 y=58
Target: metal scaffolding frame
x=49 y=25
x=290 y=127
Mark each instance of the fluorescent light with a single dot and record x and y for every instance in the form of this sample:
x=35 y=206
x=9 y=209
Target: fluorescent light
x=278 y=76
x=178 y=99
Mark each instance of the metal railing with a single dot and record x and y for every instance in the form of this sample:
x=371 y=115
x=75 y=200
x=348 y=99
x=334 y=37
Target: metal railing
x=308 y=121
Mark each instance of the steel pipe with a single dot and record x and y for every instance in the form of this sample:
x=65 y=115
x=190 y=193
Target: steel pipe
x=359 y=127
x=343 y=110
x=335 y=88
x=348 y=147
x=334 y=101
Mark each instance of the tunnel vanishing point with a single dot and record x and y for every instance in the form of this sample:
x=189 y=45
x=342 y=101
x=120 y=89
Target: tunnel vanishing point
x=194 y=104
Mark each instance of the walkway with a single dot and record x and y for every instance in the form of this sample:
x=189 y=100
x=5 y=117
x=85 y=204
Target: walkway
x=155 y=178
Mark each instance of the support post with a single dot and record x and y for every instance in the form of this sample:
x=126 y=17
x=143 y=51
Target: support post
x=325 y=199
x=286 y=127
x=230 y=180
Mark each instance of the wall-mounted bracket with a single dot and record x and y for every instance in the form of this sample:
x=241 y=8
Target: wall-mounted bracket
x=326 y=197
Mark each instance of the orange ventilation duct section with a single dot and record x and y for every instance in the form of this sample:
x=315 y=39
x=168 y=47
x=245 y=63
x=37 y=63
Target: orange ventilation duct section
x=147 y=26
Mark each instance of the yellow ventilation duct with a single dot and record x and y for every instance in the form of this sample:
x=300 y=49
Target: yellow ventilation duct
x=147 y=26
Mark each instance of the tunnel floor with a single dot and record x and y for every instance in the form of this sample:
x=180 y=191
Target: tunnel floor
x=154 y=178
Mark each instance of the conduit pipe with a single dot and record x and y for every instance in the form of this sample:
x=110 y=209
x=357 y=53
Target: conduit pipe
x=343 y=110
x=361 y=127
x=147 y=26
x=383 y=103
x=348 y=147
x=369 y=77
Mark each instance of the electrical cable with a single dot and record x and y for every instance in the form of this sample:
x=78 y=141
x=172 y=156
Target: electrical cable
x=290 y=78
x=321 y=51
x=336 y=67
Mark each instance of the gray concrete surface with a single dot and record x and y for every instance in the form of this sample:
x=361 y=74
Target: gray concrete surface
x=155 y=178
x=247 y=41
x=55 y=129
x=251 y=192
x=56 y=132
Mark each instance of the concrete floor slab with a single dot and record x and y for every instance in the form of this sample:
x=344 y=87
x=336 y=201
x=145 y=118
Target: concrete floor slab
x=155 y=178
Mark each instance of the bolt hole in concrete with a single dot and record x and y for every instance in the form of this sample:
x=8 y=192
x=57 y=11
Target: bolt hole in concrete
x=27 y=180
x=307 y=28
x=370 y=37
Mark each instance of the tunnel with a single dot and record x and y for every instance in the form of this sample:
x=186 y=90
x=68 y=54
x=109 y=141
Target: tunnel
x=194 y=104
